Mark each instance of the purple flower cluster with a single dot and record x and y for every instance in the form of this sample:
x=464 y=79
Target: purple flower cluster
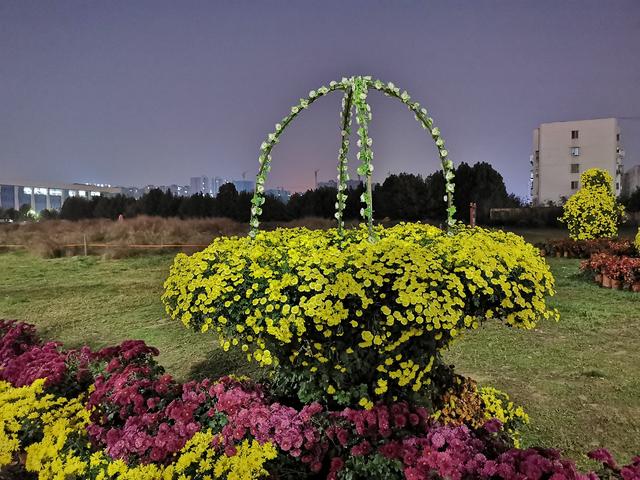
x=137 y=412
x=17 y=338
x=249 y=413
x=611 y=467
x=41 y=361
x=458 y=453
x=24 y=358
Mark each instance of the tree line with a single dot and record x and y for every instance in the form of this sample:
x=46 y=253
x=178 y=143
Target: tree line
x=404 y=196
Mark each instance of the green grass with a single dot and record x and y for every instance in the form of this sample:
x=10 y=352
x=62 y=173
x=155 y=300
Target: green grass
x=579 y=379
x=82 y=300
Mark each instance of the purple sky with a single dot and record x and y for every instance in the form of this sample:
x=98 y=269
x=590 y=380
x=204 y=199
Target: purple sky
x=138 y=92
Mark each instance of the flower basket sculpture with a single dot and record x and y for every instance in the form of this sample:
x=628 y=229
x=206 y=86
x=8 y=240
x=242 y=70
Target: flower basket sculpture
x=357 y=316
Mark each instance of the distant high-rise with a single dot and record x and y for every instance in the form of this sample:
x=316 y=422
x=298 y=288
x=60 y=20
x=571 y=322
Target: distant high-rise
x=351 y=184
x=200 y=185
x=216 y=183
x=244 y=185
x=563 y=150
x=279 y=193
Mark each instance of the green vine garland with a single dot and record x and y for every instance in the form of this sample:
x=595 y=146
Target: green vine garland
x=356 y=91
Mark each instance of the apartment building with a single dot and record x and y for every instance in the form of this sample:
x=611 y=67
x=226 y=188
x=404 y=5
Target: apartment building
x=563 y=150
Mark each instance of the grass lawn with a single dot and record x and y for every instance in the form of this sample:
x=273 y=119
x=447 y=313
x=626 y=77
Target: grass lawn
x=579 y=379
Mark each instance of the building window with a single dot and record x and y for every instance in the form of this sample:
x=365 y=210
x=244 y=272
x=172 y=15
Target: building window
x=575 y=151
x=7 y=196
x=575 y=168
x=574 y=134
x=617 y=186
x=618 y=137
x=574 y=185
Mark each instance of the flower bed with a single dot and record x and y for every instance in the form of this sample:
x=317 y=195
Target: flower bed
x=613 y=271
x=115 y=414
x=585 y=248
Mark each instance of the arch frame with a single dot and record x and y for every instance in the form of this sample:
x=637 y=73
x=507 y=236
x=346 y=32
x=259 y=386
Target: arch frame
x=355 y=94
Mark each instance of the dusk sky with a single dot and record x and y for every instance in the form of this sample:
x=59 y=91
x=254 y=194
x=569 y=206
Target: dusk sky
x=154 y=92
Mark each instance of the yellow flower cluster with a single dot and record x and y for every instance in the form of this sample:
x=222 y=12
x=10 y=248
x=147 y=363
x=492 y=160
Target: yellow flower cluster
x=247 y=463
x=593 y=212
x=196 y=460
x=352 y=314
x=54 y=457
x=496 y=404
x=637 y=241
x=27 y=412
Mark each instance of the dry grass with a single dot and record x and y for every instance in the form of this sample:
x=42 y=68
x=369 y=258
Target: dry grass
x=60 y=238
x=52 y=239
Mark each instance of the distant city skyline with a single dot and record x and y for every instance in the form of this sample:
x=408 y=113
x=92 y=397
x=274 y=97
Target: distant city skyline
x=142 y=92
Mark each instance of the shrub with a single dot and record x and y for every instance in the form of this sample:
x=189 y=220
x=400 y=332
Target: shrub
x=637 y=242
x=593 y=211
x=352 y=321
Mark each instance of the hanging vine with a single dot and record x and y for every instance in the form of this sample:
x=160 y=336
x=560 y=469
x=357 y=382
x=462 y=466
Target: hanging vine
x=356 y=91
x=343 y=167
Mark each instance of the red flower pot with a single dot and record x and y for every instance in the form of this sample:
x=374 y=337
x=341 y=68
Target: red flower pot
x=616 y=284
x=606 y=281
x=635 y=287
x=598 y=278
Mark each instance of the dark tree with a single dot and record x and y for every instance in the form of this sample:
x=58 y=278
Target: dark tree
x=150 y=202
x=47 y=214
x=274 y=210
x=76 y=208
x=632 y=202
x=436 y=205
x=401 y=197
x=483 y=185
x=227 y=201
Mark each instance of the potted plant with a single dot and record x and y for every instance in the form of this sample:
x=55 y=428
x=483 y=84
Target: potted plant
x=614 y=272
x=631 y=273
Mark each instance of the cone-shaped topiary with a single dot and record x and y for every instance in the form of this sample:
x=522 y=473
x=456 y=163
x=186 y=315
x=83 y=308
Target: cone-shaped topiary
x=593 y=211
